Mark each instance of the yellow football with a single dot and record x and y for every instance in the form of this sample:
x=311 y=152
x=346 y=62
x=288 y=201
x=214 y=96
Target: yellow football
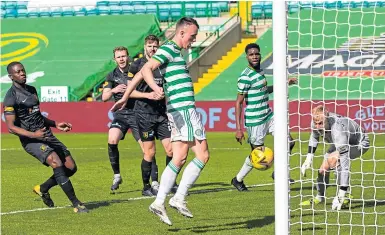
x=262 y=160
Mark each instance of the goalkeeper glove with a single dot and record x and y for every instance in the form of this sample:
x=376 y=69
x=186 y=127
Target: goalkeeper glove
x=307 y=164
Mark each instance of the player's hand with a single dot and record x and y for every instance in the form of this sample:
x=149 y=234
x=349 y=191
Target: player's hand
x=119 y=89
x=292 y=81
x=307 y=164
x=239 y=136
x=40 y=134
x=119 y=105
x=154 y=96
x=159 y=92
x=64 y=126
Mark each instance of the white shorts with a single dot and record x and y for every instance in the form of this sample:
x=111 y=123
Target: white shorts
x=257 y=134
x=186 y=125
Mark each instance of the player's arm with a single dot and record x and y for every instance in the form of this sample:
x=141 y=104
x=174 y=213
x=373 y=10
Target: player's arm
x=109 y=91
x=147 y=73
x=243 y=87
x=313 y=143
x=291 y=81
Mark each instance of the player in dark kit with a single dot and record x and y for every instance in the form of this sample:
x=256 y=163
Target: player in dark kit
x=24 y=119
x=152 y=121
x=124 y=120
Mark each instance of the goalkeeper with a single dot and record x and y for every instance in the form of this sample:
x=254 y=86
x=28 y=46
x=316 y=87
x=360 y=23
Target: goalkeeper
x=348 y=140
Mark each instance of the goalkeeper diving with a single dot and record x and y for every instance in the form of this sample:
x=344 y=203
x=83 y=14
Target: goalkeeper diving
x=348 y=141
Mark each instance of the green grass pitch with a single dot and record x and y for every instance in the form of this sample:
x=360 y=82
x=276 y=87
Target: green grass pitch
x=217 y=207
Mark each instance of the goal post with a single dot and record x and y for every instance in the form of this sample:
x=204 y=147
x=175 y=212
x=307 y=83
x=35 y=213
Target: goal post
x=336 y=50
x=281 y=172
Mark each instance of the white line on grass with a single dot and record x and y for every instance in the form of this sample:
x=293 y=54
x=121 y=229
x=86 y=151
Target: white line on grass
x=130 y=199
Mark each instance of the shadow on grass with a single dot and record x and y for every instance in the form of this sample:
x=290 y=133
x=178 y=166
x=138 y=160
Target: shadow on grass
x=248 y=224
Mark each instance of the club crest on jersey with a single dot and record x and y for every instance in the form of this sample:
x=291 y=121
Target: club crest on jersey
x=43 y=148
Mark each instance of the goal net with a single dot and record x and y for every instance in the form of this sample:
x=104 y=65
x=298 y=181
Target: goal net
x=337 y=52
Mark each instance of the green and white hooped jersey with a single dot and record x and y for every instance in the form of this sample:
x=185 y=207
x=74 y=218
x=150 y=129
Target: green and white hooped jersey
x=178 y=86
x=254 y=85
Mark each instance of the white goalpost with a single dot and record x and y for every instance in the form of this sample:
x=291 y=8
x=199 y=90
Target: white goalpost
x=336 y=50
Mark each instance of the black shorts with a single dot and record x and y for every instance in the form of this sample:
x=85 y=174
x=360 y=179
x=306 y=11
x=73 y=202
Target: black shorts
x=153 y=126
x=125 y=122
x=42 y=149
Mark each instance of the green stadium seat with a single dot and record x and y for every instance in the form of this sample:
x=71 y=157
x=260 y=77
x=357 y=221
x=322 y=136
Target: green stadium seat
x=190 y=10
x=164 y=15
x=115 y=10
x=332 y=5
x=136 y=3
x=347 y=4
x=91 y=11
x=214 y=11
x=33 y=12
x=151 y=3
x=293 y=8
x=22 y=5
x=125 y=3
x=127 y=10
x=151 y=9
x=10 y=5
x=305 y=5
x=102 y=3
x=373 y=4
x=79 y=11
x=103 y=10
x=164 y=7
x=139 y=9
x=318 y=4
x=44 y=12
x=201 y=10
x=256 y=12
x=56 y=12
x=176 y=11
x=113 y=3
x=268 y=12
x=2 y=13
x=22 y=13
x=68 y=11
x=224 y=6
x=2 y=5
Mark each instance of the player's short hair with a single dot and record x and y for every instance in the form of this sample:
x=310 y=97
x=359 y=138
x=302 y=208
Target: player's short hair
x=151 y=38
x=252 y=45
x=10 y=65
x=186 y=21
x=119 y=48
x=320 y=109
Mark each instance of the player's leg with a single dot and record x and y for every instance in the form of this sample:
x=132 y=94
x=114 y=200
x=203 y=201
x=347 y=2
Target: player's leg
x=115 y=134
x=193 y=170
x=145 y=124
x=256 y=137
x=180 y=129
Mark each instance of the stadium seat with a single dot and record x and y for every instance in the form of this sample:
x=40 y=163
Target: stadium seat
x=256 y=12
x=91 y=11
x=201 y=10
x=56 y=12
x=190 y=10
x=268 y=12
x=2 y=13
x=139 y=9
x=68 y=11
x=44 y=12
x=223 y=6
x=33 y=12
x=103 y=10
x=373 y=4
x=113 y=3
x=2 y=5
x=214 y=11
x=115 y=10
x=136 y=3
x=319 y=4
x=305 y=5
x=332 y=4
x=164 y=15
x=10 y=5
x=22 y=13
x=22 y=5
x=151 y=9
x=151 y=3
x=176 y=11
x=125 y=3
x=127 y=9
x=102 y=3
x=347 y=4
x=79 y=11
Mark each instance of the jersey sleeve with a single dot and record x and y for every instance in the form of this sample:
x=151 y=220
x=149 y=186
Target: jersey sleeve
x=164 y=54
x=9 y=104
x=108 y=82
x=243 y=84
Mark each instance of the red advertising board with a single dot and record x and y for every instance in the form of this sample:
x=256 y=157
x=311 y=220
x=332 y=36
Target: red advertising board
x=216 y=115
